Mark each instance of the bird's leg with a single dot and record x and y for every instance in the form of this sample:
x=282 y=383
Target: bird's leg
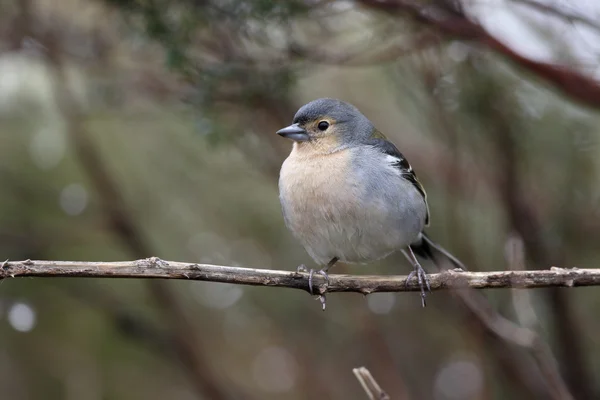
x=323 y=272
x=302 y=268
x=419 y=272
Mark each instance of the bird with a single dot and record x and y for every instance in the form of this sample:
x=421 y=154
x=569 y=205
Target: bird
x=349 y=195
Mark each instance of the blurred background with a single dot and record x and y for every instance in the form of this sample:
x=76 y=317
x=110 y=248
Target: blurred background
x=138 y=128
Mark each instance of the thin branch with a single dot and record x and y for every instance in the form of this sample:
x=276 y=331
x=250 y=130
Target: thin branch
x=369 y=384
x=156 y=268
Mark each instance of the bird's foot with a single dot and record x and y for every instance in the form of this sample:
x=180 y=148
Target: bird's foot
x=423 y=280
x=310 y=277
x=311 y=272
x=321 y=297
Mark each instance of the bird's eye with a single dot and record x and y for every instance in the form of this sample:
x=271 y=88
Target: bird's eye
x=323 y=125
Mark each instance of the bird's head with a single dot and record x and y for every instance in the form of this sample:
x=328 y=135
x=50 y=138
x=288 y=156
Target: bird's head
x=328 y=124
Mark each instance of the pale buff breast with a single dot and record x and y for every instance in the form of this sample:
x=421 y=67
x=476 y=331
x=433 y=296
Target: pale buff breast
x=321 y=206
x=336 y=212
x=317 y=183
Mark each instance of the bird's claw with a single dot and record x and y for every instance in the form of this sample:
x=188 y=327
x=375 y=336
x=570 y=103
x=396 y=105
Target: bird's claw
x=311 y=272
x=422 y=277
x=310 y=279
x=323 y=300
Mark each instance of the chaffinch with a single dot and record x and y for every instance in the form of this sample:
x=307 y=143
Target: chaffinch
x=349 y=195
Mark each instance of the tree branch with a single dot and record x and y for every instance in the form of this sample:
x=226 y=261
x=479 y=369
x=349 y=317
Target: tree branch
x=156 y=268
x=560 y=12
x=457 y=24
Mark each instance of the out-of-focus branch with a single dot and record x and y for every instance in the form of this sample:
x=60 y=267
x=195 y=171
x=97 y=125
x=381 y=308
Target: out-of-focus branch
x=456 y=24
x=561 y=13
x=117 y=214
x=520 y=336
x=365 y=284
x=128 y=322
x=482 y=319
x=527 y=223
x=515 y=255
x=368 y=55
x=514 y=252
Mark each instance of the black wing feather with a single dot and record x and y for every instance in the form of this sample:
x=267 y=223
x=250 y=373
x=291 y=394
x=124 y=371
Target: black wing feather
x=403 y=165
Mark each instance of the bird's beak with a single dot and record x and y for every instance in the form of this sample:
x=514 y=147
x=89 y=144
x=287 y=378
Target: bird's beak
x=294 y=132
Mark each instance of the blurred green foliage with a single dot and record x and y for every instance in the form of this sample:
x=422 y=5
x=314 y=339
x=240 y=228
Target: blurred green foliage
x=156 y=85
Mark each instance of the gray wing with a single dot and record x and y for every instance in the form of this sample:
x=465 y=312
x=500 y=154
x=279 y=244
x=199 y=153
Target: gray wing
x=387 y=147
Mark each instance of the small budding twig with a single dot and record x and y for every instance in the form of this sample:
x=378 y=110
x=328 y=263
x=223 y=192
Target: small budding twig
x=369 y=384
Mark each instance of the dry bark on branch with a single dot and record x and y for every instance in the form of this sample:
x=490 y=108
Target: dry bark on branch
x=156 y=268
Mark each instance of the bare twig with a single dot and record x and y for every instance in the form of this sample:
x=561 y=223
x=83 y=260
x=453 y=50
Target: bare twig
x=365 y=284
x=369 y=384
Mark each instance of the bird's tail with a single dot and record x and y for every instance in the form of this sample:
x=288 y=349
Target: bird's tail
x=430 y=250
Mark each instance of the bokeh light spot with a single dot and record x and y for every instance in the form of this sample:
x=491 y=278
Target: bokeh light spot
x=274 y=370
x=73 y=199
x=21 y=317
x=461 y=379
x=47 y=147
x=381 y=303
x=217 y=295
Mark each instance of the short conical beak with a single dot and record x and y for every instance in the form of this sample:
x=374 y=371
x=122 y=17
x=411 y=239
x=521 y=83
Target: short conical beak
x=294 y=132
